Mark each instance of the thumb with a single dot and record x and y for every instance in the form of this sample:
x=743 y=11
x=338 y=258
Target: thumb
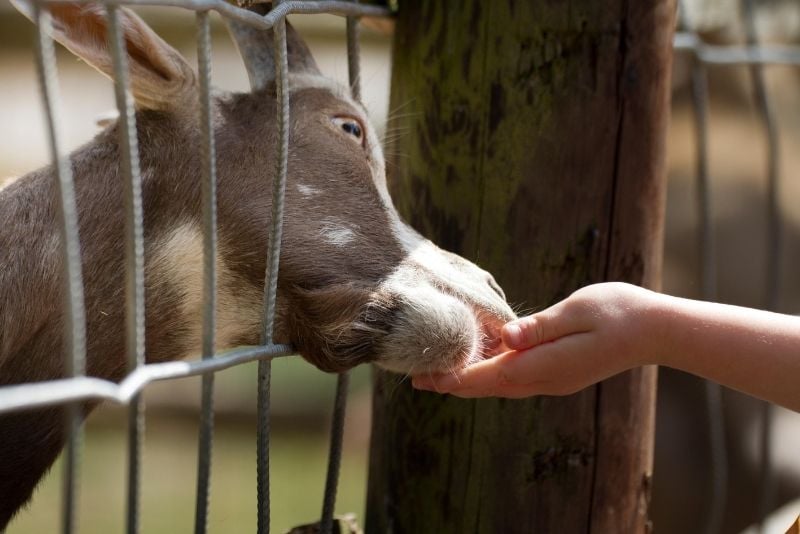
x=536 y=329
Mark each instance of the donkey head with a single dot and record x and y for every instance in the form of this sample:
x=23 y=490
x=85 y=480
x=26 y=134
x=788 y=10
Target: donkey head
x=356 y=283
x=359 y=284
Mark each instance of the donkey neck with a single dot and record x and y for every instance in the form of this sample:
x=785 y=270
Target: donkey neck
x=31 y=280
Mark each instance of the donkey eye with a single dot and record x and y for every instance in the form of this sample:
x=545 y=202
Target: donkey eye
x=351 y=127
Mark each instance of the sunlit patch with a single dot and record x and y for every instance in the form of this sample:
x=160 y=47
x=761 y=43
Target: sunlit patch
x=337 y=233
x=306 y=190
x=176 y=261
x=5 y=182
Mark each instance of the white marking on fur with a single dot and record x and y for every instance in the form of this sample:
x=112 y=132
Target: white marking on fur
x=177 y=262
x=306 y=190
x=304 y=80
x=337 y=233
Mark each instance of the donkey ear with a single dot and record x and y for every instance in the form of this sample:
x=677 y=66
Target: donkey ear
x=257 y=49
x=160 y=77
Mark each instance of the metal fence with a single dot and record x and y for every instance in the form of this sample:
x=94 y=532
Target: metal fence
x=755 y=56
x=78 y=388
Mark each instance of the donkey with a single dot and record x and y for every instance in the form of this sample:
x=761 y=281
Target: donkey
x=356 y=284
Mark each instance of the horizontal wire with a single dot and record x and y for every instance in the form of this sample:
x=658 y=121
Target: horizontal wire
x=74 y=309
x=737 y=54
x=51 y=392
x=209 y=193
x=265 y=22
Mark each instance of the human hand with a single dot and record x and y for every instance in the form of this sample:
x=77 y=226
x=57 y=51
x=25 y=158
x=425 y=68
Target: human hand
x=595 y=333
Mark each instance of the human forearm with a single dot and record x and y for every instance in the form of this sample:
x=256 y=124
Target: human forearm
x=604 y=329
x=753 y=351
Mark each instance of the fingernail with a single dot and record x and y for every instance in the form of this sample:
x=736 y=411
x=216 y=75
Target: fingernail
x=512 y=335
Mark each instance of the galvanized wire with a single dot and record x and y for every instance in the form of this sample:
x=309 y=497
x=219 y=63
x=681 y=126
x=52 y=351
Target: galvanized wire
x=271 y=275
x=279 y=181
x=262 y=447
x=75 y=315
x=55 y=392
x=773 y=240
x=134 y=253
x=334 y=453
x=209 y=186
x=353 y=57
x=74 y=311
x=331 y=7
x=735 y=54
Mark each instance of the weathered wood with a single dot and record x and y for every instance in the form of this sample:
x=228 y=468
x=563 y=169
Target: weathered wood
x=626 y=403
x=533 y=142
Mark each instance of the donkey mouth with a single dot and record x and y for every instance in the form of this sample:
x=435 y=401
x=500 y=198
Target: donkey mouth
x=491 y=341
x=492 y=346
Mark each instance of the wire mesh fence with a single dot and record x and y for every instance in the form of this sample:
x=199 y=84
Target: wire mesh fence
x=78 y=388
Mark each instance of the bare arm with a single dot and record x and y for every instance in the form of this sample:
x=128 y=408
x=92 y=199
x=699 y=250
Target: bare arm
x=605 y=329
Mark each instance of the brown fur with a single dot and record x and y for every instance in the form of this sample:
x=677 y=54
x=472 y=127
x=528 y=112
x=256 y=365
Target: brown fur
x=339 y=305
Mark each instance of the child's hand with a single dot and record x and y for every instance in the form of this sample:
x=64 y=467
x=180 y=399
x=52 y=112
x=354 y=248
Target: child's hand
x=597 y=332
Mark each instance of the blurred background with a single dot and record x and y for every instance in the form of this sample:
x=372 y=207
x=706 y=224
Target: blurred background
x=737 y=159
x=302 y=396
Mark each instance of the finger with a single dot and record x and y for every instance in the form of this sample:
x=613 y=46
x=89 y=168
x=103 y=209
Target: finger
x=556 y=368
x=486 y=374
x=548 y=325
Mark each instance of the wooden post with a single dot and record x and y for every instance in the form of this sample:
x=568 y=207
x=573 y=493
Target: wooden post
x=533 y=142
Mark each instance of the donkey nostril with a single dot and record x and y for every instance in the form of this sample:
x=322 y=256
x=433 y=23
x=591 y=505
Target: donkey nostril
x=491 y=339
x=492 y=343
x=495 y=286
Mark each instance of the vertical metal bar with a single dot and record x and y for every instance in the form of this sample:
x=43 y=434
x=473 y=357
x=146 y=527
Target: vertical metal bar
x=343 y=380
x=765 y=111
x=134 y=252
x=74 y=311
x=353 y=56
x=271 y=275
x=209 y=186
x=262 y=449
x=334 y=453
